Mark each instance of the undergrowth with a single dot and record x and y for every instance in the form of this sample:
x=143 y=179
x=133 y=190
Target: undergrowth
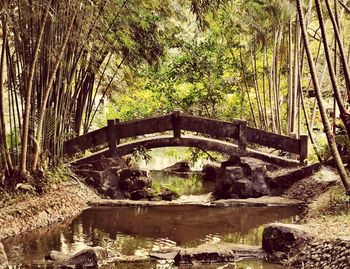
x=22 y=188
x=329 y=215
x=59 y=174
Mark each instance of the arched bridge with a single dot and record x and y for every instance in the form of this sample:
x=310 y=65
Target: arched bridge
x=226 y=137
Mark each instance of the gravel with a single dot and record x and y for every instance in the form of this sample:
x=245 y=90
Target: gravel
x=326 y=254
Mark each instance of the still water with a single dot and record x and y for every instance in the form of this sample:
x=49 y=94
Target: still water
x=136 y=230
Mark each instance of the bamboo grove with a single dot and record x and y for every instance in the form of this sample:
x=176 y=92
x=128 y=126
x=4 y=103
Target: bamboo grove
x=61 y=60
x=56 y=56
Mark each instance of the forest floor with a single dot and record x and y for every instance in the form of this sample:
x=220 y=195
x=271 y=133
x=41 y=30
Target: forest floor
x=329 y=215
x=328 y=211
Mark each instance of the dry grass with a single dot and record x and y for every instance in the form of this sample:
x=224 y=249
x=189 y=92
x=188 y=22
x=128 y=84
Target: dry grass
x=329 y=215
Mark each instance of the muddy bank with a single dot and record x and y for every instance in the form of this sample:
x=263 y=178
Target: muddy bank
x=58 y=203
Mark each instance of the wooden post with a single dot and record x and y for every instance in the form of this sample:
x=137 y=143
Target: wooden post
x=176 y=122
x=242 y=136
x=304 y=149
x=116 y=130
x=112 y=137
x=294 y=156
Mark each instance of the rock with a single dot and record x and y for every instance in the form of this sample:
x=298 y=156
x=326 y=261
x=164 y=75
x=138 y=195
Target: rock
x=233 y=173
x=244 y=188
x=3 y=258
x=106 y=163
x=133 y=179
x=169 y=195
x=331 y=253
x=57 y=256
x=241 y=181
x=166 y=254
x=283 y=238
x=91 y=177
x=110 y=178
x=258 y=175
x=232 y=161
x=25 y=187
x=211 y=172
x=179 y=167
x=132 y=172
x=147 y=194
x=105 y=182
x=218 y=253
x=87 y=258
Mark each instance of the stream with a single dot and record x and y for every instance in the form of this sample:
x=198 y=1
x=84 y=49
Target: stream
x=137 y=230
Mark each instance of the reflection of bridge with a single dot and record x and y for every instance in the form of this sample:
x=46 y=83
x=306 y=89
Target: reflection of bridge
x=225 y=137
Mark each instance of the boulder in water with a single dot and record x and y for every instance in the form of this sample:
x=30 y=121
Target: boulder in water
x=280 y=239
x=169 y=195
x=241 y=180
x=179 y=167
x=132 y=179
x=232 y=161
x=106 y=163
x=87 y=258
x=143 y=194
x=211 y=172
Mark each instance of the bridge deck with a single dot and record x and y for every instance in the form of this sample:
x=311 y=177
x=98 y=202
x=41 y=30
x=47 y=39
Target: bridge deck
x=177 y=122
x=207 y=144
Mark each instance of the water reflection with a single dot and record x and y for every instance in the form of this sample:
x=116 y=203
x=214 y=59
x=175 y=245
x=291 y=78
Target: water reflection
x=137 y=230
x=164 y=157
x=192 y=184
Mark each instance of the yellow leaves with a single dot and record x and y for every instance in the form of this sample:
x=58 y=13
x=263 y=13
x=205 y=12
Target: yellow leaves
x=184 y=90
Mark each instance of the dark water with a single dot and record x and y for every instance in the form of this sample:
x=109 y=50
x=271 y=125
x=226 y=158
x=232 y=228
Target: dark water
x=136 y=230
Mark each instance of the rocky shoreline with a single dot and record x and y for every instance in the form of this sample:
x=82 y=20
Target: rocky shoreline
x=285 y=244
x=293 y=245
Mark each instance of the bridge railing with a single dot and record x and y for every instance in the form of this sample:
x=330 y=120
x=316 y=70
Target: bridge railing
x=177 y=122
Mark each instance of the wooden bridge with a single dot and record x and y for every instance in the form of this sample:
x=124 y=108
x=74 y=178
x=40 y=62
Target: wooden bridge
x=226 y=137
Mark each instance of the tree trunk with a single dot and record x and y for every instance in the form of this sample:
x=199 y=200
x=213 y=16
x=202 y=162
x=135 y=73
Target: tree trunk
x=344 y=115
x=2 y=116
x=327 y=128
x=47 y=93
x=28 y=96
x=341 y=48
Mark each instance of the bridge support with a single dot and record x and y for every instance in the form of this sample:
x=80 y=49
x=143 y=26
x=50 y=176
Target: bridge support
x=175 y=121
x=112 y=135
x=304 y=149
x=242 y=137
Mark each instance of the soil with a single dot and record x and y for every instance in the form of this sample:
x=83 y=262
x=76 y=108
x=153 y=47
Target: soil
x=57 y=203
x=309 y=188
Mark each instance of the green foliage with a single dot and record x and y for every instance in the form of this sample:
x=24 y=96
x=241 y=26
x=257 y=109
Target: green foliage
x=195 y=155
x=141 y=154
x=173 y=152
x=323 y=149
x=61 y=173
x=181 y=186
x=339 y=202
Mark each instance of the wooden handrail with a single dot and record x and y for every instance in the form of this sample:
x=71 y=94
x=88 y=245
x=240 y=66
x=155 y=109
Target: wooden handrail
x=177 y=121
